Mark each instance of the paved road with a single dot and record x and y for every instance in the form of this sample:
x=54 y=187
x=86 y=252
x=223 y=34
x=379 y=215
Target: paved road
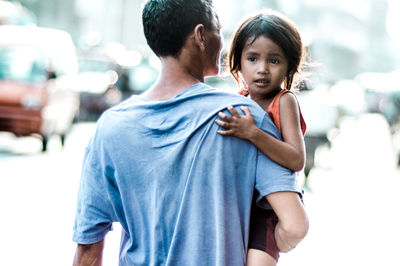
x=353 y=203
x=38 y=196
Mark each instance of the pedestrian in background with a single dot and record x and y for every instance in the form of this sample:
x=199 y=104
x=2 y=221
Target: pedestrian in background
x=156 y=164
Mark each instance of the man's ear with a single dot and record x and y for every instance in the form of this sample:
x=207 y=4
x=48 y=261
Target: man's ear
x=199 y=36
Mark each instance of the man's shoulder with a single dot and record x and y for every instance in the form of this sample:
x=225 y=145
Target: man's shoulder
x=113 y=117
x=224 y=98
x=199 y=101
x=207 y=101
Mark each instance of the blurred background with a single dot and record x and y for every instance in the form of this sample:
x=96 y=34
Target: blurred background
x=62 y=63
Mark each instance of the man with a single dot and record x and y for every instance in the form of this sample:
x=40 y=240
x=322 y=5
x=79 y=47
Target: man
x=157 y=165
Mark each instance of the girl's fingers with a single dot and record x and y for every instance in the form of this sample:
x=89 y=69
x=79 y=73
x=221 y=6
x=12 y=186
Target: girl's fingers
x=222 y=123
x=246 y=110
x=224 y=132
x=225 y=116
x=233 y=111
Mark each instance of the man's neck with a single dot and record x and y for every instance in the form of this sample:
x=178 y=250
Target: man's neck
x=175 y=76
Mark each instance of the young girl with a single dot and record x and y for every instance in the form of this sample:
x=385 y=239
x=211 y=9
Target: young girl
x=266 y=53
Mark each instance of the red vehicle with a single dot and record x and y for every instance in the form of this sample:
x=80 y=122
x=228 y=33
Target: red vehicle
x=37 y=95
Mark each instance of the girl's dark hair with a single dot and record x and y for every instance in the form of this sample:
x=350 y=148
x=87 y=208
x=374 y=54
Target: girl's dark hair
x=167 y=23
x=276 y=27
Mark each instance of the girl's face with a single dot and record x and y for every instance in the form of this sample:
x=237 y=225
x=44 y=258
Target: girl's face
x=263 y=67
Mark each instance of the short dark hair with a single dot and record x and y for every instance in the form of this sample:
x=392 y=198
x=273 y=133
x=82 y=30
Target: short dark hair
x=167 y=23
x=274 y=26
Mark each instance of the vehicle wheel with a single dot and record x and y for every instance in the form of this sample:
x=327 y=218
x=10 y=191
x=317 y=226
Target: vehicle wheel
x=62 y=138
x=44 y=143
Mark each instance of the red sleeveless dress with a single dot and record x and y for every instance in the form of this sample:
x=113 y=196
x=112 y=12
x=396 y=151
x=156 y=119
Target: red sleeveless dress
x=273 y=111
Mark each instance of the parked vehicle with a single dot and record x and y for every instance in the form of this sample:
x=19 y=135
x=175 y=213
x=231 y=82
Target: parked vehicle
x=105 y=81
x=139 y=77
x=37 y=95
x=98 y=74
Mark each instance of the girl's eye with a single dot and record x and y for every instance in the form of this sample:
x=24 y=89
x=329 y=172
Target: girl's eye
x=274 y=61
x=251 y=59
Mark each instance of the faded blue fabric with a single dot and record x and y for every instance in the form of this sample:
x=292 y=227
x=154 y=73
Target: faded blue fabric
x=181 y=191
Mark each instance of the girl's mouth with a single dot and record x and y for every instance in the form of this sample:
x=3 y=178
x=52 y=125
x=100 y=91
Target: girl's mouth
x=261 y=82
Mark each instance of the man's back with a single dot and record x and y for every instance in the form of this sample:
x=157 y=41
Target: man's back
x=181 y=192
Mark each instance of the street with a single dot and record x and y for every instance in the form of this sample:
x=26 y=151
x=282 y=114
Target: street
x=353 y=200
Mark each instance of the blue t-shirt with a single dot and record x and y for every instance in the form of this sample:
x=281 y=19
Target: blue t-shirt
x=181 y=191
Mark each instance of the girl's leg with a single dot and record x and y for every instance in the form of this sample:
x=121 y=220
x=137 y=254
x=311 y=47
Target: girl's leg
x=257 y=257
x=263 y=250
x=292 y=226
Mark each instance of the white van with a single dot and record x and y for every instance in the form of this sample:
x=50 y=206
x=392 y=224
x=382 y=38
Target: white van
x=37 y=71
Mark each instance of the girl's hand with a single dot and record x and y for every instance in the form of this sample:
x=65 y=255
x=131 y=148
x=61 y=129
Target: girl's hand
x=240 y=126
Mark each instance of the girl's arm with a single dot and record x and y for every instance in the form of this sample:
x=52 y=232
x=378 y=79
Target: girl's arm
x=290 y=152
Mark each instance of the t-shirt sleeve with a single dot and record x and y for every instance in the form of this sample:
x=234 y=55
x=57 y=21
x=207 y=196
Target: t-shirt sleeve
x=94 y=215
x=270 y=176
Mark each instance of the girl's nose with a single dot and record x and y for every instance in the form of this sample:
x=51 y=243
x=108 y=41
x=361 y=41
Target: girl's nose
x=263 y=67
